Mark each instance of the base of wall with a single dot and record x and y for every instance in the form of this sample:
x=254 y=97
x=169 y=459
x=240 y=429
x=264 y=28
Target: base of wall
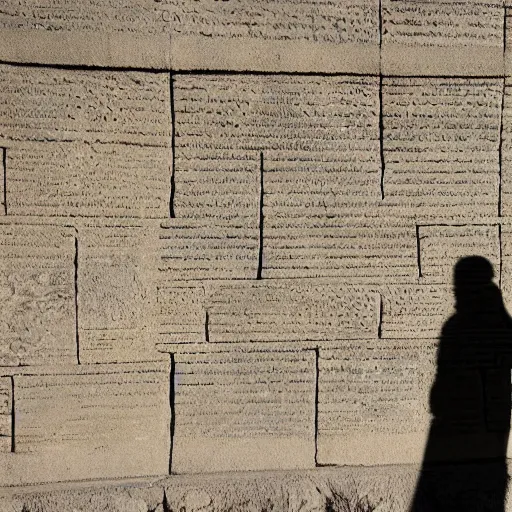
x=341 y=489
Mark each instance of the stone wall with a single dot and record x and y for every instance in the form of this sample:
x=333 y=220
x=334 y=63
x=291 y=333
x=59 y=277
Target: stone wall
x=228 y=228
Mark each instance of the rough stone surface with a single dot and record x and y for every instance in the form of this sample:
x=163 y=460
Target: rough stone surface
x=256 y=411
x=228 y=234
x=331 y=489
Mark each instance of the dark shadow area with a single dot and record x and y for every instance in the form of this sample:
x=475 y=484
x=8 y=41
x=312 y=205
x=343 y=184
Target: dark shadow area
x=464 y=465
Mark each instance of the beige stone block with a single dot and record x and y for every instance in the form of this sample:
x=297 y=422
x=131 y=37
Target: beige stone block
x=373 y=401
x=371 y=449
x=214 y=176
x=255 y=54
x=37 y=293
x=243 y=410
x=441 y=247
x=448 y=61
x=292 y=310
x=47 y=104
x=79 y=48
x=88 y=18
x=350 y=21
x=506 y=151
x=94 y=180
x=182 y=313
x=212 y=454
x=289 y=35
x=415 y=311
x=89 y=420
x=363 y=252
x=191 y=249
x=117 y=294
x=440 y=38
x=441 y=139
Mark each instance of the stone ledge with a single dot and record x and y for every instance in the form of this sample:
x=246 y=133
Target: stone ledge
x=347 y=488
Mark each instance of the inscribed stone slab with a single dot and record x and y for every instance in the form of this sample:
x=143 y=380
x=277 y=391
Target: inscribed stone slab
x=340 y=36
x=444 y=23
x=442 y=246
x=373 y=401
x=441 y=38
x=296 y=310
x=94 y=180
x=441 y=140
x=191 y=249
x=244 y=411
x=37 y=295
x=109 y=420
x=361 y=252
x=415 y=311
x=59 y=105
x=117 y=294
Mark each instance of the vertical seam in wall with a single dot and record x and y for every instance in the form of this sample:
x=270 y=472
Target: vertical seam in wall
x=317 y=375
x=4 y=168
x=172 y=407
x=418 y=251
x=206 y=326
x=172 y=214
x=13 y=418
x=500 y=255
x=381 y=311
x=261 y=218
x=77 y=335
x=500 y=150
x=380 y=35
x=381 y=114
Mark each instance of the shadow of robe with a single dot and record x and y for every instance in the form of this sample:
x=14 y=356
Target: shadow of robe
x=464 y=464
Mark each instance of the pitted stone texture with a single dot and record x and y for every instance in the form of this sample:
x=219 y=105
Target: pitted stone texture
x=58 y=105
x=239 y=410
x=440 y=247
x=440 y=145
x=373 y=401
x=37 y=294
x=117 y=293
x=89 y=420
x=377 y=489
x=174 y=34
x=88 y=180
x=440 y=38
x=291 y=310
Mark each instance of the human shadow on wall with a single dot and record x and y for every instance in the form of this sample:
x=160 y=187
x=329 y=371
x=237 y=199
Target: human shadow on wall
x=464 y=465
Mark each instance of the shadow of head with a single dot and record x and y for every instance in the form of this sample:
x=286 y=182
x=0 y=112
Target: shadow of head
x=474 y=288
